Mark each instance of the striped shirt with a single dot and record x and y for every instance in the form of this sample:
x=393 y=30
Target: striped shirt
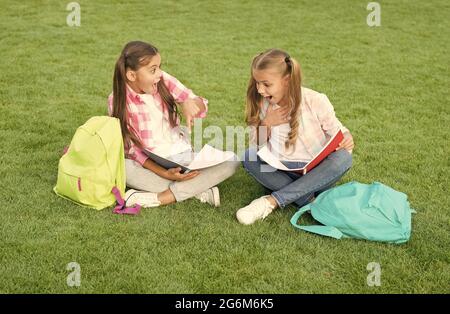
x=141 y=117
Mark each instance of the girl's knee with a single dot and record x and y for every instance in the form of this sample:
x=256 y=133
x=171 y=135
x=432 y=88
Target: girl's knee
x=228 y=168
x=249 y=158
x=232 y=165
x=342 y=160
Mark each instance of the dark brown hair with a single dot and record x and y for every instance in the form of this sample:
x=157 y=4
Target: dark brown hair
x=135 y=55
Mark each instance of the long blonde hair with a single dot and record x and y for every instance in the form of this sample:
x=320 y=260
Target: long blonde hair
x=285 y=65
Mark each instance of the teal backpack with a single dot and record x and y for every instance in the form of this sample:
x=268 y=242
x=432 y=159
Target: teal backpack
x=91 y=172
x=373 y=212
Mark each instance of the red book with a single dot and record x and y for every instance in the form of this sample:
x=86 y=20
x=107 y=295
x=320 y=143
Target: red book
x=333 y=143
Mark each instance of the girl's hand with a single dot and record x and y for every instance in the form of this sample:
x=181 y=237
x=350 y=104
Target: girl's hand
x=190 y=111
x=276 y=117
x=174 y=174
x=347 y=142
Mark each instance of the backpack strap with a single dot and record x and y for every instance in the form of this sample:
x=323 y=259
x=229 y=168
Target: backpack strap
x=121 y=207
x=328 y=231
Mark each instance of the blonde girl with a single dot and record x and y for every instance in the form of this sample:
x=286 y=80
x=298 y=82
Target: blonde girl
x=295 y=122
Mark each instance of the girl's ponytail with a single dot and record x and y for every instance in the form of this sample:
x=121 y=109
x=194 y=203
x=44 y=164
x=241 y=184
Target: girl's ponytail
x=171 y=105
x=295 y=97
x=120 y=102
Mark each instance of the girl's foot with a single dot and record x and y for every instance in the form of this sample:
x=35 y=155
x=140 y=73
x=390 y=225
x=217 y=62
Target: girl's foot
x=210 y=196
x=143 y=198
x=256 y=210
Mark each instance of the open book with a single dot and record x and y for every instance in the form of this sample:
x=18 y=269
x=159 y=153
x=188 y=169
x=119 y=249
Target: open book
x=208 y=156
x=333 y=143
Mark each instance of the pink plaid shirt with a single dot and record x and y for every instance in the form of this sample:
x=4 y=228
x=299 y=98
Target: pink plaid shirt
x=139 y=117
x=318 y=123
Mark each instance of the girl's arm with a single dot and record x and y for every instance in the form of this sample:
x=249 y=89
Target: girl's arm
x=169 y=174
x=185 y=96
x=154 y=167
x=192 y=107
x=324 y=110
x=347 y=143
x=200 y=105
x=330 y=123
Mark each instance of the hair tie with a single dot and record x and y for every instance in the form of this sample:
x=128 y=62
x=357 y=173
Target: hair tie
x=287 y=59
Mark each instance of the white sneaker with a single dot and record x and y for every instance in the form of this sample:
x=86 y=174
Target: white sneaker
x=143 y=198
x=210 y=196
x=258 y=209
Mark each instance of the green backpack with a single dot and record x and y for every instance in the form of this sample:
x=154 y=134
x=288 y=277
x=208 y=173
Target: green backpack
x=92 y=171
x=373 y=212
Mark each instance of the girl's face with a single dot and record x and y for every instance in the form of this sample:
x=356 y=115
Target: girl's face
x=146 y=78
x=272 y=86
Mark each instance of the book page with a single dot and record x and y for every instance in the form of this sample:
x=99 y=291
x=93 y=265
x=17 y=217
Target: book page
x=266 y=155
x=208 y=157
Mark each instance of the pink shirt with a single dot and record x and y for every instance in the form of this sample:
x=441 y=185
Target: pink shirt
x=140 y=117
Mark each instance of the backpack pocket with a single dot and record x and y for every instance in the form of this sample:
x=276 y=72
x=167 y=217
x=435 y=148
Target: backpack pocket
x=380 y=206
x=75 y=187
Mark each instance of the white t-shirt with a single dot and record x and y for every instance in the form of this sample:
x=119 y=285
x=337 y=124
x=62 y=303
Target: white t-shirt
x=317 y=123
x=278 y=137
x=168 y=141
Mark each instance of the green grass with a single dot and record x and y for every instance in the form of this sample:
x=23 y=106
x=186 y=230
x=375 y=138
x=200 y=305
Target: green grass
x=389 y=86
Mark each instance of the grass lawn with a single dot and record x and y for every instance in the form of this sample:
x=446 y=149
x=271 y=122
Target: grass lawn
x=388 y=84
